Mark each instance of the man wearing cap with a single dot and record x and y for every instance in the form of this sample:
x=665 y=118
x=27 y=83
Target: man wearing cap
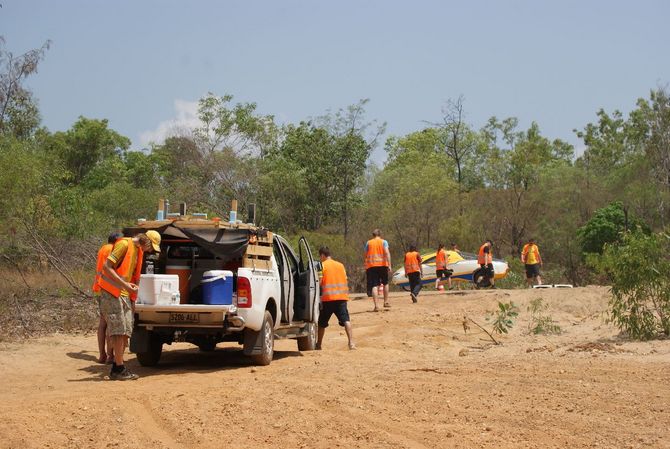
x=118 y=284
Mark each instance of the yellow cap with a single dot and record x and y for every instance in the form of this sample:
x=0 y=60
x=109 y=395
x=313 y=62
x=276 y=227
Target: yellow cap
x=155 y=238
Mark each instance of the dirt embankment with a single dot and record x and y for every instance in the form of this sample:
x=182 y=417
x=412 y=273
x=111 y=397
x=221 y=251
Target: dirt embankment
x=416 y=381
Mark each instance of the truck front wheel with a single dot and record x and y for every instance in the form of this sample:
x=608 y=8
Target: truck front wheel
x=153 y=354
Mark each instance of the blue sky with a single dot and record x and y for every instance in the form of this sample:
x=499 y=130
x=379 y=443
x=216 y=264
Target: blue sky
x=144 y=64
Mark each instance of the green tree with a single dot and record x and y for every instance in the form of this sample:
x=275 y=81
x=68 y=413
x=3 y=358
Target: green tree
x=235 y=127
x=355 y=138
x=514 y=171
x=229 y=143
x=650 y=127
x=415 y=185
x=607 y=226
x=86 y=144
x=305 y=160
x=19 y=115
x=459 y=143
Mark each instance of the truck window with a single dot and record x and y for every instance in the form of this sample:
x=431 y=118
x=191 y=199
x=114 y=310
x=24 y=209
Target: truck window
x=292 y=262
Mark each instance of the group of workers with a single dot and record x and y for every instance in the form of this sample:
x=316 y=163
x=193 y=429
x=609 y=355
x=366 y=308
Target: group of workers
x=377 y=256
x=119 y=264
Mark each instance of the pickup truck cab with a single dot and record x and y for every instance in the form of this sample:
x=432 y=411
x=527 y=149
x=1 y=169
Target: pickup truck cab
x=275 y=290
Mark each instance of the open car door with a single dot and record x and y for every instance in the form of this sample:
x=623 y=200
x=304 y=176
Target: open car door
x=306 y=305
x=287 y=266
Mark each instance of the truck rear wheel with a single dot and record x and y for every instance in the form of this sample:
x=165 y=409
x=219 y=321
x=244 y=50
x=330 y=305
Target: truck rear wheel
x=266 y=340
x=153 y=354
x=308 y=342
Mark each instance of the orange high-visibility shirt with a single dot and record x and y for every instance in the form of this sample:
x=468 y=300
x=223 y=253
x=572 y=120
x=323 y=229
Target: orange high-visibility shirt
x=484 y=258
x=441 y=260
x=103 y=253
x=375 y=255
x=334 y=286
x=412 y=262
x=132 y=257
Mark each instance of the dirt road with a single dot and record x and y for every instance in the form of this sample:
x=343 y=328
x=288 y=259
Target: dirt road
x=416 y=381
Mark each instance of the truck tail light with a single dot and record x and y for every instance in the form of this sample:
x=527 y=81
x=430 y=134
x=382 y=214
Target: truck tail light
x=243 y=293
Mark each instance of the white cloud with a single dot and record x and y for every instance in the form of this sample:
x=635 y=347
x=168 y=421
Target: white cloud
x=186 y=119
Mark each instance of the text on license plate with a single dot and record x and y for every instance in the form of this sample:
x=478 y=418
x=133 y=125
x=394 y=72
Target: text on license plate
x=180 y=317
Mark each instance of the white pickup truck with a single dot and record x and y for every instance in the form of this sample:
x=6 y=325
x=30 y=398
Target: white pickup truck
x=275 y=290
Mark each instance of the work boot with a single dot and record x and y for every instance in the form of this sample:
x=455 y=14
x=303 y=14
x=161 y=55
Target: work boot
x=123 y=375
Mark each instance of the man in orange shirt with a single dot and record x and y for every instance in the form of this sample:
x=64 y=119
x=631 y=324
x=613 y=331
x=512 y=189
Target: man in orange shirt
x=442 y=272
x=485 y=260
x=530 y=256
x=377 y=267
x=414 y=272
x=104 y=343
x=334 y=296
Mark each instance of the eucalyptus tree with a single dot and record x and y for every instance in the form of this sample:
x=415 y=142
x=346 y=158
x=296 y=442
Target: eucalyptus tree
x=231 y=140
x=513 y=170
x=19 y=115
x=354 y=140
x=459 y=143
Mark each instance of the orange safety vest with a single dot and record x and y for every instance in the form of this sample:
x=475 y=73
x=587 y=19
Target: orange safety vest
x=103 y=254
x=334 y=285
x=441 y=260
x=123 y=270
x=482 y=258
x=412 y=262
x=375 y=256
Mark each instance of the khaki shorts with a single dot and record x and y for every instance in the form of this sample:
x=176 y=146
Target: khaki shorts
x=118 y=313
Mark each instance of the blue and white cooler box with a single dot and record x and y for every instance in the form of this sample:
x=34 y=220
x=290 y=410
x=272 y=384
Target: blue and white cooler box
x=217 y=287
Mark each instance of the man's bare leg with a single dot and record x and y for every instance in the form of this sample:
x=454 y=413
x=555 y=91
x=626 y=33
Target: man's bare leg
x=102 y=340
x=118 y=342
x=350 y=334
x=319 y=338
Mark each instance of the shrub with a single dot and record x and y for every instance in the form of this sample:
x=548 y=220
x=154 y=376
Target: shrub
x=540 y=323
x=503 y=318
x=639 y=270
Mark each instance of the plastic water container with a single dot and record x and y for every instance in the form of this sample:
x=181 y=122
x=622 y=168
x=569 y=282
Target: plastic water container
x=217 y=287
x=159 y=289
x=184 y=274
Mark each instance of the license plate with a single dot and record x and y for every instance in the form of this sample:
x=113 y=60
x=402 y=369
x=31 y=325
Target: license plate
x=179 y=317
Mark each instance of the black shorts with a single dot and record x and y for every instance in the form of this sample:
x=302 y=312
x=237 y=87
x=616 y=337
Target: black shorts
x=489 y=269
x=532 y=270
x=444 y=274
x=328 y=308
x=376 y=276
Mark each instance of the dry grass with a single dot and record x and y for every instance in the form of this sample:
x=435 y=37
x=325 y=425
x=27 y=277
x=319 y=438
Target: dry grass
x=40 y=302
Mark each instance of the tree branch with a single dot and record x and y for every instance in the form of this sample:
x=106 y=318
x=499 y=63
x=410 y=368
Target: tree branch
x=487 y=332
